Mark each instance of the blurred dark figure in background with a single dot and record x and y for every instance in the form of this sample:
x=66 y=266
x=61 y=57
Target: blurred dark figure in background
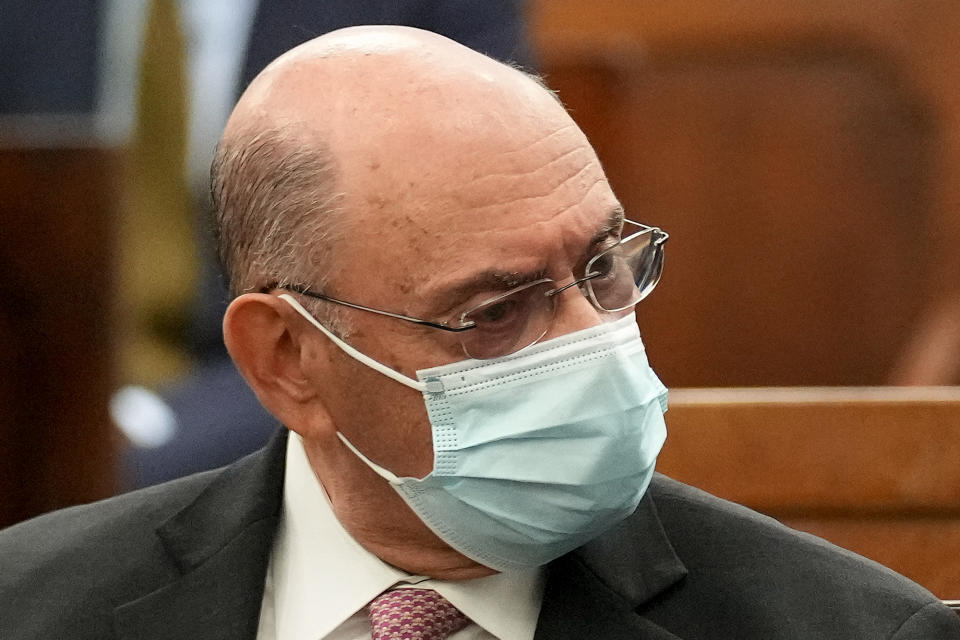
x=50 y=56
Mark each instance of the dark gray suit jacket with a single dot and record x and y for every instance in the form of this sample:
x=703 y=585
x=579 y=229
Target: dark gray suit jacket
x=187 y=560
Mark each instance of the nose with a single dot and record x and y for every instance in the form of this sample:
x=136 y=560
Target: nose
x=574 y=312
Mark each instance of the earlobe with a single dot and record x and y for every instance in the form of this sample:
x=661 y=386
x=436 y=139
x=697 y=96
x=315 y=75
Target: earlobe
x=257 y=332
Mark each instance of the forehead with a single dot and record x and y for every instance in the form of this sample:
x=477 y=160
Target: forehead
x=485 y=179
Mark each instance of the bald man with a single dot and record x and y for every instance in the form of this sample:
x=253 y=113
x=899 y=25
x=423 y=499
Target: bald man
x=434 y=290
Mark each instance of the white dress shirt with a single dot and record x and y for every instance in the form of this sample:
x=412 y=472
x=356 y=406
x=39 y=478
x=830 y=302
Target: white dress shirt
x=320 y=579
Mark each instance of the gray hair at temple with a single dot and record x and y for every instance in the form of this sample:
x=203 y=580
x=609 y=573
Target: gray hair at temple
x=275 y=207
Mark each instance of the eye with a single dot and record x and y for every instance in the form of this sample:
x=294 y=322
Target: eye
x=510 y=321
x=498 y=313
x=603 y=265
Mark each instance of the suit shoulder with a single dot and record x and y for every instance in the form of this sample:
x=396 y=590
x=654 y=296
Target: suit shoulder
x=110 y=521
x=744 y=565
x=702 y=524
x=77 y=559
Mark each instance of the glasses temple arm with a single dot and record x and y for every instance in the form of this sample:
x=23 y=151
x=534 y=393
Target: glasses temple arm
x=390 y=314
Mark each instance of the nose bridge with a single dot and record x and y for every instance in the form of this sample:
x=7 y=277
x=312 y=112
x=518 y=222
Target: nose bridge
x=574 y=312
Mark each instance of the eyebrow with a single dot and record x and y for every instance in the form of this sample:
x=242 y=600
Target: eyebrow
x=498 y=280
x=452 y=295
x=614 y=223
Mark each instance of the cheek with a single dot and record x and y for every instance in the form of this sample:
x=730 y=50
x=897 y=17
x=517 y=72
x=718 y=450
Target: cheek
x=384 y=419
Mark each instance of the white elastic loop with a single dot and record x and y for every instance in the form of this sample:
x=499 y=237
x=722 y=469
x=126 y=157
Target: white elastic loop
x=353 y=353
x=377 y=469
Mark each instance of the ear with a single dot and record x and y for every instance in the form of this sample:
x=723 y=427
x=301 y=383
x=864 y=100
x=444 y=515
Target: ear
x=265 y=339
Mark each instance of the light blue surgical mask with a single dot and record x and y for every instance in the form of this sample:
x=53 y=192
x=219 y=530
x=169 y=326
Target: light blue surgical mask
x=536 y=452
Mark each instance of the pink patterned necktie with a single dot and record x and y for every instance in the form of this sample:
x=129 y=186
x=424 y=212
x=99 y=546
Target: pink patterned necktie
x=413 y=614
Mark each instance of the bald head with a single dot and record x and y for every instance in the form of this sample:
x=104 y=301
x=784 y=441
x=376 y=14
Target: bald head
x=389 y=74
x=325 y=140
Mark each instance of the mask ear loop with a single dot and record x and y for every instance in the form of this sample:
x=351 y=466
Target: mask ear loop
x=353 y=353
x=386 y=474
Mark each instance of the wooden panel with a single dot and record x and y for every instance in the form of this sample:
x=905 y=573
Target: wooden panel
x=836 y=449
x=805 y=156
x=872 y=470
x=56 y=445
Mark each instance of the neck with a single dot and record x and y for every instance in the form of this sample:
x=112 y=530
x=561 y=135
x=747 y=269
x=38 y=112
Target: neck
x=380 y=521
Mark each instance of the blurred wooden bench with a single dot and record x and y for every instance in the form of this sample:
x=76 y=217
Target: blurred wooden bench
x=875 y=470
x=805 y=158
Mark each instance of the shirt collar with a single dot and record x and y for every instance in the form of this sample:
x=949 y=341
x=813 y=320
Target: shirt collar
x=322 y=576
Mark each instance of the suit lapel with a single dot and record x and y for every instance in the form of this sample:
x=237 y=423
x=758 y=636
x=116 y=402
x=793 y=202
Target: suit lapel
x=221 y=545
x=595 y=591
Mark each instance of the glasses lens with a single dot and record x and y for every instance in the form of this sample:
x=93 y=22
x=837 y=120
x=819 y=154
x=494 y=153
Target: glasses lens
x=628 y=272
x=509 y=322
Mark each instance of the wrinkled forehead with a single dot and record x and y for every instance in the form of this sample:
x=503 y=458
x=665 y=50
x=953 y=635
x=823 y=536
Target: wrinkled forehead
x=480 y=186
x=484 y=158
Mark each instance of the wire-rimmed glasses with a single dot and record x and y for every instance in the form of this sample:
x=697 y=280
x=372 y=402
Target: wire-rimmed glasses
x=614 y=280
